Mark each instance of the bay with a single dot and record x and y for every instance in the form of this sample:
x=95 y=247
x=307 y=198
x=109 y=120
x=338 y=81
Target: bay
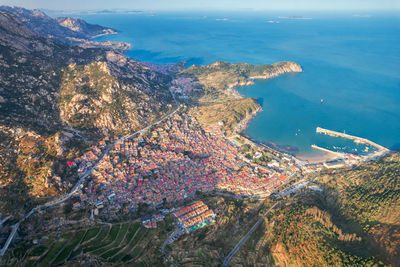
x=351 y=62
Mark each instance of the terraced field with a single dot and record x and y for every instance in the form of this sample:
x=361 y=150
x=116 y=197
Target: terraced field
x=123 y=243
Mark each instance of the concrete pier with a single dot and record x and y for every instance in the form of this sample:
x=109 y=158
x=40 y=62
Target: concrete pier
x=351 y=137
x=338 y=154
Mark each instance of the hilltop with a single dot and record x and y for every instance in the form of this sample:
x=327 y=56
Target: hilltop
x=64 y=30
x=216 y=99
x=57 y=99
x=68 y=110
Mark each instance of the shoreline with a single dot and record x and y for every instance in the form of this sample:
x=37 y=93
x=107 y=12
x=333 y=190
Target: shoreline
x=242 y=126
x=324 y=156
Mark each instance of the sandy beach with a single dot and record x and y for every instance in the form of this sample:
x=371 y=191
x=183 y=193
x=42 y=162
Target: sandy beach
x=317 y=156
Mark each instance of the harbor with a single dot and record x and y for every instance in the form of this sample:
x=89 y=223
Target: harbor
x=342 y=159
x=351 y=137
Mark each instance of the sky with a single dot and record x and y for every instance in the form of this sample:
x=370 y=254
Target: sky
x=206 y=4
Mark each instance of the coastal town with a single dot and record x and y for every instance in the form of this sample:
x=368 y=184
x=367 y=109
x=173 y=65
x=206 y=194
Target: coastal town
x=172 y=163
x=159 y=155
x=177 y=159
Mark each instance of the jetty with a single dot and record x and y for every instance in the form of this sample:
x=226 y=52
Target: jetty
x=339 y=154
x=351 y=137
x=381 y=150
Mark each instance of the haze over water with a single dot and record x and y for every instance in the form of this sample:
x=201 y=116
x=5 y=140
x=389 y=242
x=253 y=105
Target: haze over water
x=352 y=63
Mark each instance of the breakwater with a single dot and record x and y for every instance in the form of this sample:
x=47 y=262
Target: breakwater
x=351 y=137
x=327 y=150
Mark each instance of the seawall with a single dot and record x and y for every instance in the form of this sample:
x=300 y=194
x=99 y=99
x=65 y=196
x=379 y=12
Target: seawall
x=351 y=137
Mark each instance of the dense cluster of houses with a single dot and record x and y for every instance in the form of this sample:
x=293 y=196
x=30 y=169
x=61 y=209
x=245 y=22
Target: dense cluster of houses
x=252 y=184
x=194 y=216
x=184 y=85
x=151 y=222
x=91 y=156
x=173 y=162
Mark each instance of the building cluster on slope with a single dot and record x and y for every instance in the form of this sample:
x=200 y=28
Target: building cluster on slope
x=171 y=163
x=151 y=222
x=92 y=155
x=194 y=216
x=182 y=86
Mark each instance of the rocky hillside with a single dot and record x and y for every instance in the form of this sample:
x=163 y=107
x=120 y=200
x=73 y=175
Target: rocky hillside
x=221 y=76
x=369 y=197
x=91 y=97
x=354 y=221
x=52 y=94
x=82 y=27
x=60 y=29
x=346 y=218
x=68 y=31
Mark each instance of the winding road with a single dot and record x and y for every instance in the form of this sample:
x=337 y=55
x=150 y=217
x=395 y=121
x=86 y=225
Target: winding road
x=176 y=232
x=244 y=238
x=80 y=180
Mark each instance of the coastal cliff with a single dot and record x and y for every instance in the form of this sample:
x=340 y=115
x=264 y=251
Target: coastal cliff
x=222 y=75
x=67 y=31
x=81 y=26
x=278 y=69
x=58 y=99
x=218 y=101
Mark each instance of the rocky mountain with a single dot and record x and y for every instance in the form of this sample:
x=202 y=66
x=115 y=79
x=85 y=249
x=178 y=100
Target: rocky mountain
x=59 y=29
x=53 y=93
x=92 y=97
x=68 y=31
x=58 y=97
x=82 y=27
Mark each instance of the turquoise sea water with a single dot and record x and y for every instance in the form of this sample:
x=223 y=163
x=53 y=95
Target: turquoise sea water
x=353 y=63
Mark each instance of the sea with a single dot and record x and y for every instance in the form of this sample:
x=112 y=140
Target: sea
x=351 y=67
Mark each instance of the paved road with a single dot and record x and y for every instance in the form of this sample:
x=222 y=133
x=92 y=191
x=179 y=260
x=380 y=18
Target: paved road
x=51 y=203
x=79 y=182
x=243 y=240
x=164 y=246
x=13 y=232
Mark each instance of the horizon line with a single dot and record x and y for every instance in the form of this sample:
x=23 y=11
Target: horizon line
x=392 y=9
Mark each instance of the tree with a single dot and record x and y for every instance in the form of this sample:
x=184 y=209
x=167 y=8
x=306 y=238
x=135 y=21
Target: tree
x=68 y=208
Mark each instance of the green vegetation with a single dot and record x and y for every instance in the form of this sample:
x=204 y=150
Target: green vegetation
x=54 y=250
x=369 y=197
x=128 y=243
x=68 y=249
x=305 y=235
x=231 y=113
x=221 y=75
x=258 y=156
x=217 y=101
x=92 y=232
x=209 y=245
x=354 y=222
